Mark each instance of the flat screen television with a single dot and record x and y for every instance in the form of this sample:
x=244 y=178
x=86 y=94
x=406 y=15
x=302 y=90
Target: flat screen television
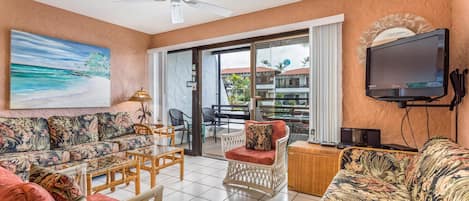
x=409 y=69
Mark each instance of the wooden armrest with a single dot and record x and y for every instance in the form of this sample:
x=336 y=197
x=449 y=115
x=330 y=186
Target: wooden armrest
x=143 y=129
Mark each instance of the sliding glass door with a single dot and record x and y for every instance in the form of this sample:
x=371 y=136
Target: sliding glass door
x=178 y=96
x=282 y=82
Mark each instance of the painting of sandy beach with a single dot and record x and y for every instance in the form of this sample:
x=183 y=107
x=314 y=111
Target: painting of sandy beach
x=47 y=72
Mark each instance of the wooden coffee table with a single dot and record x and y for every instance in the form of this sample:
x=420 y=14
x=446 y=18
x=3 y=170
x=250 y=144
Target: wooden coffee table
x=108 y=166
x=154 y=154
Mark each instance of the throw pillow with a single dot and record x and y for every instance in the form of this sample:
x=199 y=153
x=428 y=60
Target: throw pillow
x=60 y=186
x=278 y=129
x=259 y=137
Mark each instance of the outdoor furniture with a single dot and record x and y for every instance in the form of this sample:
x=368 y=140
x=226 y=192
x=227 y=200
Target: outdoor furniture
x=177 y=120
x=233 y=111
x=154 y=154
x=212 y=118
x=262 y=170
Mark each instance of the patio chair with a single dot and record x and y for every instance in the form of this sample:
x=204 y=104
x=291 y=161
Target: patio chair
x=178 y=120
x=261 y=170
x=210 y=118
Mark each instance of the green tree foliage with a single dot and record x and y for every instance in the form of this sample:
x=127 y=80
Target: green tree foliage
x=240 y=89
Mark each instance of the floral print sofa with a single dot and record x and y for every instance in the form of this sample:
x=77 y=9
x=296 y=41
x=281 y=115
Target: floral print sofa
x=439 y=172
x=62 y=140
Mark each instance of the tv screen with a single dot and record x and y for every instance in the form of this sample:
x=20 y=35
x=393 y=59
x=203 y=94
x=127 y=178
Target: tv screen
x=412 y=68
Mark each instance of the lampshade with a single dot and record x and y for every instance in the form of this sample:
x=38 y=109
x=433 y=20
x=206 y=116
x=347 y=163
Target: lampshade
x=141 y=96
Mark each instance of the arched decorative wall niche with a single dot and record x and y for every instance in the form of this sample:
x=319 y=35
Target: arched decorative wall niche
x=390 y=28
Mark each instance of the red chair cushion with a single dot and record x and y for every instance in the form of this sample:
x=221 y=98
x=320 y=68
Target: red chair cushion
x=99 y=197
x=278 y=128
x=251 y=156
x=8 y=178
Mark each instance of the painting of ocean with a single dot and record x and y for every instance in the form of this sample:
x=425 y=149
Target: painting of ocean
x=48 y=72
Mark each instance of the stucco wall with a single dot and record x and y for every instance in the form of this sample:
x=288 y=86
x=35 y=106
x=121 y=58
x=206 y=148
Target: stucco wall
x=460 y=58
x=128 y=51
x=358 y=110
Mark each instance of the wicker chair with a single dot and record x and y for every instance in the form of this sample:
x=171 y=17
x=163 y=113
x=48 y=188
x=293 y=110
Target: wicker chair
x=266 y=178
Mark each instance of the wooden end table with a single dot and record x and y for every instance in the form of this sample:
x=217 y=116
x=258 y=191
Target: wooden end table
x=158 y=129
x=153 y=154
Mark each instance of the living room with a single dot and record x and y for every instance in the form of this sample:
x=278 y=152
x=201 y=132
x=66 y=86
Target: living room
x=144 y=99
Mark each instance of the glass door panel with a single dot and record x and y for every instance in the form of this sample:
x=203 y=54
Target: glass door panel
x=282 y=83
x=225 y=95
x=179 y=76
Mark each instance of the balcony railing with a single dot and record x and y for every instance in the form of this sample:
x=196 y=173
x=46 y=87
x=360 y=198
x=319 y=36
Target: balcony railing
x=291 y=86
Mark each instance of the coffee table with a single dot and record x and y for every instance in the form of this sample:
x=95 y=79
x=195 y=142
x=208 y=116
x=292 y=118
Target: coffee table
x=153 y=154
x=109 y=166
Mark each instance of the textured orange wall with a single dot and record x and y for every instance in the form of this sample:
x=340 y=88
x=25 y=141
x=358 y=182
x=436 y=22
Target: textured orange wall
x=460 y=58
x=358 y=110
x=128 y=50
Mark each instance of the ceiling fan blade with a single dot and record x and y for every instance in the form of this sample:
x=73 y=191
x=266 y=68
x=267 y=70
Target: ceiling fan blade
x=209 y=7
x=177 y=13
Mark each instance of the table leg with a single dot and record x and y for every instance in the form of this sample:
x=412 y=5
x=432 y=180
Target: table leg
x=137 y=179
x=113 y=178
x=182 y=166
x=153 y=173
x=89 y=183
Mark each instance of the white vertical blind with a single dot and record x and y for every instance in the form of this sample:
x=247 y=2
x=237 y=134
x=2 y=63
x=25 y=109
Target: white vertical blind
x=157 y=85
x=326 y=82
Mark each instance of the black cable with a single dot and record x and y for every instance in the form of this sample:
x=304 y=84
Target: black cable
x=410 y=127
x=428 y=123
x=402 y=128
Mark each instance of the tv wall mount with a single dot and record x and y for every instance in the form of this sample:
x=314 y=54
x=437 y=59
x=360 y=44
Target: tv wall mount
x=458 y=81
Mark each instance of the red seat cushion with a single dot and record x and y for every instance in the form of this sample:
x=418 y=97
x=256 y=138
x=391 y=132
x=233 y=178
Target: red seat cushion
x=278 y=129
x=99 y=197
x=251 y=156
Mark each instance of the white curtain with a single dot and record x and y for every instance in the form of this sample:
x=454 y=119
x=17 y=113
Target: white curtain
x=326 y=82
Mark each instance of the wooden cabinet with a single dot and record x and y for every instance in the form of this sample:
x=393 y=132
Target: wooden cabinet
x=311 y=167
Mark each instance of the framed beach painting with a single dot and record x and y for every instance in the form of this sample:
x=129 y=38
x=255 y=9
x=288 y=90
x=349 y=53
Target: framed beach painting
x=47 y=72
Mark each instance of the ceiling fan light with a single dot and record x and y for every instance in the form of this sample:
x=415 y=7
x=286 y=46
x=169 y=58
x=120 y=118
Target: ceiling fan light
x=177 y=15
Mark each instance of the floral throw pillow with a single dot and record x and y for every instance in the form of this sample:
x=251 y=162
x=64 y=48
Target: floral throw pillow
x=60 y=186
x=259 y=137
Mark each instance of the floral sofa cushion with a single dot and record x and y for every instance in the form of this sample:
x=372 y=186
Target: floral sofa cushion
x=389 y=166
x=23 y=134
x=440 y=172
x=92 y=150
x=350 y=186
x=133 y=141
x=74 y=130
x=19 y=165
x=19 y=162
x=113 y=125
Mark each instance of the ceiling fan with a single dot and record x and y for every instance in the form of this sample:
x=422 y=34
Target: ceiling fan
x=177 y=15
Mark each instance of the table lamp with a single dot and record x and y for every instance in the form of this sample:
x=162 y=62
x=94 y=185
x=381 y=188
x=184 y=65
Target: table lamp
x=142 y=96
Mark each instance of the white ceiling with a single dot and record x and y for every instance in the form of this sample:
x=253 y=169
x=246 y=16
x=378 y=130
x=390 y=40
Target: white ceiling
x=155 y=17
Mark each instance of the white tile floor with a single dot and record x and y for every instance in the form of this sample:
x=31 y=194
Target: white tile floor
x=203 y=180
